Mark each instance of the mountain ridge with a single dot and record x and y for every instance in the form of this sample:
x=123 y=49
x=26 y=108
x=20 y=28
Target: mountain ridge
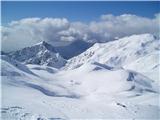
x=117 y=53
x=41 y=54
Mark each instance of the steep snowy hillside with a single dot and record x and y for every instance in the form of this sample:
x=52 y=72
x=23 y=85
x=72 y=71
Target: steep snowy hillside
x=118 y=53
x=41 y=54
x=10 y=67
x=149 y=65
x=93 y=90
x=23 y=93
x=138 y=52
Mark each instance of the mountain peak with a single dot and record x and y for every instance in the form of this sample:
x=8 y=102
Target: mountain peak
x=42 y=54
x=46 y=45
x=42 y=43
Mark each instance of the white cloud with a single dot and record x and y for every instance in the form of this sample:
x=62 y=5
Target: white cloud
x=28 y=31
x=118 y=26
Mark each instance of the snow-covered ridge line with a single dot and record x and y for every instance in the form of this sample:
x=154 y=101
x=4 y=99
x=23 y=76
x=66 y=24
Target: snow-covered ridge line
x=117 y=53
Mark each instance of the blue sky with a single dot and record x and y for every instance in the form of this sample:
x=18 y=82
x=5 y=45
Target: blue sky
x=125 y=19
x=75 y=11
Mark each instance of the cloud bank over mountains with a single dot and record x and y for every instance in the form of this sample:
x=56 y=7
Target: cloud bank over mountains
x=29 y=31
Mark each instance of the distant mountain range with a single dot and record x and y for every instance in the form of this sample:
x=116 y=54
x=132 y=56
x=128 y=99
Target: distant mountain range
x=73 y=49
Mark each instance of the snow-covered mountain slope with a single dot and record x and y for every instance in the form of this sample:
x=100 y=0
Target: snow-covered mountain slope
x=73 y=49
x=24 y=92
x=118 y=53
x=96 y=78
x=148 y=65
x=10 y=67
x=41 y=54
x=93 y=90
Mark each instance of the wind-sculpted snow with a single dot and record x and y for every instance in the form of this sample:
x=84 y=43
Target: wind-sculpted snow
x=149 y=65
x=95 y=78
x=19 y=113
x=44 y=68
x=40 y=54
x=10 y=67
x=49 y=92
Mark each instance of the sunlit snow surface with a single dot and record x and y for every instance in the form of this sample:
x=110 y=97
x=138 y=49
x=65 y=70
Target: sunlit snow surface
x=89 y=86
